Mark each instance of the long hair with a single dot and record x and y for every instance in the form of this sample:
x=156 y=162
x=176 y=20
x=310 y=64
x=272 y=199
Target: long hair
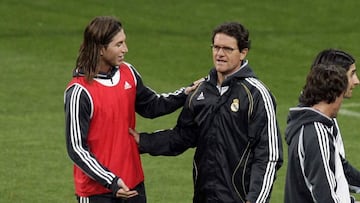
x=336 y=57
x=236 y=30
x=98 y=34
x=324 y=83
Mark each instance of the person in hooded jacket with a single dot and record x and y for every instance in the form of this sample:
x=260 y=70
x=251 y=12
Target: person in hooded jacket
x=315 y=172
x=343 y=60
x=231 y=120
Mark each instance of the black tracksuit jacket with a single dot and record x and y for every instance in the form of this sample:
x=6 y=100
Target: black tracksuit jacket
x=236 y=135
x=315 y=170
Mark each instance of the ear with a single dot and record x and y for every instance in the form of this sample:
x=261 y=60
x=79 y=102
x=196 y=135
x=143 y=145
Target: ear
x=243 y=53
x=102 y=51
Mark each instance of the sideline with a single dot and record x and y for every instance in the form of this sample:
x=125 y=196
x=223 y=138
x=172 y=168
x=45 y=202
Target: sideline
x=349 y=113
x=346 y=112
x=350 y=105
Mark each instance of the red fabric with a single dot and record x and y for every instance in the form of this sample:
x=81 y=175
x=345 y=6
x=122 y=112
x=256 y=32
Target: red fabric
x=108 y=138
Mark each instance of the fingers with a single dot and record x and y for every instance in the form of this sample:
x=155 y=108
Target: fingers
x=132 y=131
x=193 y=86
x=121 y=193
x=124 y=191
x=135 y=134
x=198 y=81
x=189 y=89
x=122 y=185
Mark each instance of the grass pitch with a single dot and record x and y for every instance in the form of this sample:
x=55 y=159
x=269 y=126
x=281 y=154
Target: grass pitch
x=169 y=45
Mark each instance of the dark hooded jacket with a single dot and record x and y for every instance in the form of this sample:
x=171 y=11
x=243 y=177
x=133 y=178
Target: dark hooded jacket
x=236 y=135
x=314 y=172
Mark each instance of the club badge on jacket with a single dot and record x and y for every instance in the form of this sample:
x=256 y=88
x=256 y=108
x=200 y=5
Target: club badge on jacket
x=235 y=105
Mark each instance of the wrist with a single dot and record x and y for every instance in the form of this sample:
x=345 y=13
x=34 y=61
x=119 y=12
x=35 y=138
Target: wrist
x=114 y=187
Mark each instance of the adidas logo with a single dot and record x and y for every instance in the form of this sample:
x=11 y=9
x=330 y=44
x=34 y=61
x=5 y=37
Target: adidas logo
x=127 y=85
x=201 y=96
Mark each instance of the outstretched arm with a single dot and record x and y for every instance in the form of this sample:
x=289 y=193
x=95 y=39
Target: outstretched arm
x=170 y=142
x=150 y=104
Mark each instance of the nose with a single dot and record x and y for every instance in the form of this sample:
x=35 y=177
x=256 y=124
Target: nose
x=356 y=80
x=124 y=47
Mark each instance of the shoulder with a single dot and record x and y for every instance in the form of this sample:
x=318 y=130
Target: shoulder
x=258 y=89
x=256 y=84
x=76 y=91
x=314 y=132
x=130 y=67
x=136 y=75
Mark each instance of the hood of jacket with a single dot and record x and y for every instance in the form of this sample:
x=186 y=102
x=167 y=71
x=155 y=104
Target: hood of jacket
x=300 y=116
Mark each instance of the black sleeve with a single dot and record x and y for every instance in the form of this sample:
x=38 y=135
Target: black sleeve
x=318 y=163
x=78 y=108
x=268 y=155
x=171 y=142
x=352 y=175
x=149 y=104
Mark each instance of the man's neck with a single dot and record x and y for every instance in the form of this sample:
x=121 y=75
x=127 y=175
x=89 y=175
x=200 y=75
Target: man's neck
x=325 y=108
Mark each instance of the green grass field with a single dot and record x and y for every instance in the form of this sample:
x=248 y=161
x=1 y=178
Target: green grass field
x=169 y=45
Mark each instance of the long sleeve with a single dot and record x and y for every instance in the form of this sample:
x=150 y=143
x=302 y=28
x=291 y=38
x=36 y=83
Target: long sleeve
x=78 y=110
x=267 y=145
x=318 y=163
x=171 y=142
x=149 y=104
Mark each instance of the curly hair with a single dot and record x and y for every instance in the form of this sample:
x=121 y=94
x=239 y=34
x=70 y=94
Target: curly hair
x=325 y=82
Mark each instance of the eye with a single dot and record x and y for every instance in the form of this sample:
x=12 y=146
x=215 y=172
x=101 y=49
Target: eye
x=119 y=44
x=215 y=47
x=228 y=49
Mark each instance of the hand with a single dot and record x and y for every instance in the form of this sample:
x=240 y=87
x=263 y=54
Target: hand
x=135 y=134
x=124 y=191
x=193 y=86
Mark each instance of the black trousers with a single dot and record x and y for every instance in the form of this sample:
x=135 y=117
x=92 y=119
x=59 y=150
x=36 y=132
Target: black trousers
x=109 y=198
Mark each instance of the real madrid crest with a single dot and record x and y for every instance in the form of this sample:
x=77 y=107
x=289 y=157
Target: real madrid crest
x=235 y=105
